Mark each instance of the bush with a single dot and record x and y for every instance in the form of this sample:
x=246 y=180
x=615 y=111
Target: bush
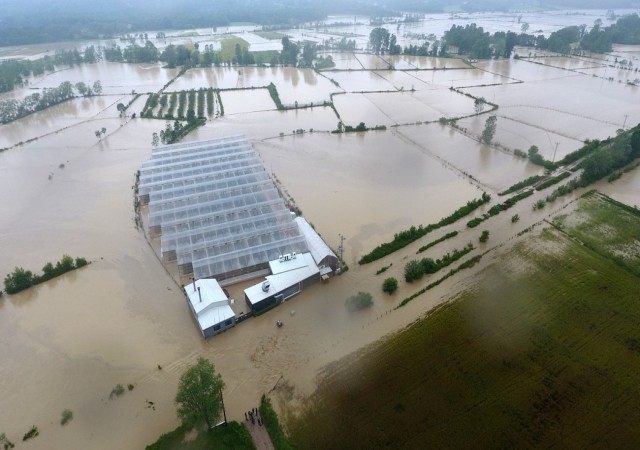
x=5 y=442
x=117 y=391
x=19 y=280
x=81 y=262
x=67 y=416
x=130 y=387
x=390 y=285
x=515 y=218
x=33 y=432
x=359 y=301
x=484 y=237
x=412 y=271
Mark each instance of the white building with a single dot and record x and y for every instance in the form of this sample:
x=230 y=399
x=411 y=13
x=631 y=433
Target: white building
x=210 y=306
x=290 y=274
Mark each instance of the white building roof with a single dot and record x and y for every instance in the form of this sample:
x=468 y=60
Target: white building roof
x=210 y=305
x=319 y=250
x=288 y=273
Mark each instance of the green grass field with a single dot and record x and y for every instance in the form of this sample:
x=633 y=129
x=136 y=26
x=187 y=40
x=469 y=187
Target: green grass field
x=606 y=228
x=228 y=47
x=543 y=352
x=272 y=35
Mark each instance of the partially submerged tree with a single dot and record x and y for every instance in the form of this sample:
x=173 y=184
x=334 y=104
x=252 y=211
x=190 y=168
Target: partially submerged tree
x=489 y=129
x=199 y=397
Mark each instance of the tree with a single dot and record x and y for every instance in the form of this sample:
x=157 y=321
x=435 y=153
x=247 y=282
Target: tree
x=19 y=280
x=478 y=104
x=484 y=237
x=489 y=129
x=199 y=397
x=390 y=285
x=359 y=301
x=379 y=40
x=121 y=108
x=97 y=87
x=155 y=140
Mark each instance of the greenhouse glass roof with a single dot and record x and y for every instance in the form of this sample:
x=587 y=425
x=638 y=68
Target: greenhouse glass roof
x=216 y=209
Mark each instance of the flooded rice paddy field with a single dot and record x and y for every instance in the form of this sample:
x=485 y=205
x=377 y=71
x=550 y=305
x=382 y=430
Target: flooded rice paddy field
x=119 y=318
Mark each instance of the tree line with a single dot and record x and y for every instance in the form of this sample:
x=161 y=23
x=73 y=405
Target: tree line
x=21 y=279
x=472 y=40
x=12 y=109
x=13 y=71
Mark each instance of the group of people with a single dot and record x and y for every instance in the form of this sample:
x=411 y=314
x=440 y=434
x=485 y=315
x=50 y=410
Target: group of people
x=253 y=416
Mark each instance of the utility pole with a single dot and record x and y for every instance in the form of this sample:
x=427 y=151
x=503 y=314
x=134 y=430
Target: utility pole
x=223 y=410
x=341 y=247
x=554 y=153
x=625 y=120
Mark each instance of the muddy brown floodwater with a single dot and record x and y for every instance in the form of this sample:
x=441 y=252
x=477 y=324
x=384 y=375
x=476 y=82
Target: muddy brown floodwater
x=67 y=343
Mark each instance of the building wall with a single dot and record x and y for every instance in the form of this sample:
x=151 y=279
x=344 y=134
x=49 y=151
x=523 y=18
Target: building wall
x=212 y=331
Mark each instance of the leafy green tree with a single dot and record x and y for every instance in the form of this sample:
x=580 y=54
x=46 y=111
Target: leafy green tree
x=489 y=129
x=484 y=237
x=19 y=280
x=390 y=285
x=412 y=271
x=359 y=301
x=478 y=104
x=309 y=52
x=199 y=397
x=289 y=54
x=379 y=40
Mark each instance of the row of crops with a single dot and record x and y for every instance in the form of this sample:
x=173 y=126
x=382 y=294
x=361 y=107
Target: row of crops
x=201 y=103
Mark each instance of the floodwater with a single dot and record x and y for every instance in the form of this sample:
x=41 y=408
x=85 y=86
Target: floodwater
x=393 y=108
x=68 y=342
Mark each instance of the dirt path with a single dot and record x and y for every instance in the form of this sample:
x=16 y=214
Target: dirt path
x=259 y=434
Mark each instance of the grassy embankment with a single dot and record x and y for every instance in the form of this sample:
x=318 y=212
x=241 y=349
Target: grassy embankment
x=544 y=352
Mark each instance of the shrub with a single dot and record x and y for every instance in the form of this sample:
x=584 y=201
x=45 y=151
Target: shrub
x=484 y=237
x=67 y=416
x=33 y=432
x=130 y=387
x=81 y=262
x=390 y=285
x=117 y=391
x=515 y=218
x=5 y=442
x=412 y=271
x=19 y=280
x=359 y=301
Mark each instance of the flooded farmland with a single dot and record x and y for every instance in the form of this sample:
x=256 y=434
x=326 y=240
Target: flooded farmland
x=123 y=317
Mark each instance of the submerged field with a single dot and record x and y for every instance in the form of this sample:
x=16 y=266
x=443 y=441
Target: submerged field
x=543 y=352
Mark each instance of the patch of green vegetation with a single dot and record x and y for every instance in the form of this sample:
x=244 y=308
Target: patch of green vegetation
x=484 y=237
x=437 y=241
x=553 y=181
x=21 y=279
x=66 y=417
x=116 y=391
x=361 y=300
x=522 y=184
x=611 y=229
x=415 y=269
x=271 y=35
x=390 y=285
x=33 y=432
x=272 y=424
x=228 y=47
x=538 y=358
x=383 y=269
x=406 y=237
x=273 y=92
x=232 y=436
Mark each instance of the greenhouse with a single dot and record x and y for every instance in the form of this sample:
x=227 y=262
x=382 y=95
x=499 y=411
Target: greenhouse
x=216 y=210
